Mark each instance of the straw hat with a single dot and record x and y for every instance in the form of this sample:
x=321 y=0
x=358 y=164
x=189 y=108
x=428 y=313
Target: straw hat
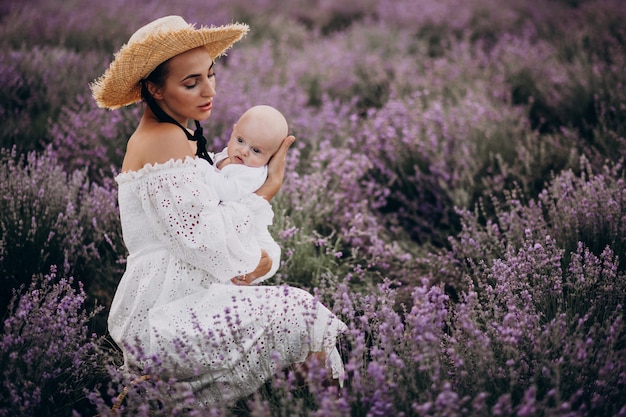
x=152 y=45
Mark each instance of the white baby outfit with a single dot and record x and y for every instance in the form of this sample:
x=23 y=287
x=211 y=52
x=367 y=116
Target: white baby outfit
x=175 y=300
x=236 y=181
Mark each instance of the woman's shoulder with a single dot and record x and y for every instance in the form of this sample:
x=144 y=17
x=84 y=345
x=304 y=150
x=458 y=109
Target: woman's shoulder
x=155 y=144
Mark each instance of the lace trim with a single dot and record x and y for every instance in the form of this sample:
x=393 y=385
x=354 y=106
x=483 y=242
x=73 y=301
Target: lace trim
x=149 y=168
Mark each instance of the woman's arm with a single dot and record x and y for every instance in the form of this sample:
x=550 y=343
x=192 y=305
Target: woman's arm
x=264 y=266
x=189 y=220
x=276 y=171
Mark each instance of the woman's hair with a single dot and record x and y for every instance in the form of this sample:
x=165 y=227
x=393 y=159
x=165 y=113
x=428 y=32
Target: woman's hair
x=156 y=77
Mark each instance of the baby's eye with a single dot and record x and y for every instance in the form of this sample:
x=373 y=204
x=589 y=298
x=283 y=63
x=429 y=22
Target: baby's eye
x=256 y=150
x=239 y=140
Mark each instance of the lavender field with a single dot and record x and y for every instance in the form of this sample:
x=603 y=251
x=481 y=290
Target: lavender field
x=456 y=194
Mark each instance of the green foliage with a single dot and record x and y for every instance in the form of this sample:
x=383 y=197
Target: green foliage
x=53 y=218
x=589 y=209
x=308 y=253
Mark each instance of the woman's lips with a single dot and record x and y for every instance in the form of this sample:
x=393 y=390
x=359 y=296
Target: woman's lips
x=206 y=107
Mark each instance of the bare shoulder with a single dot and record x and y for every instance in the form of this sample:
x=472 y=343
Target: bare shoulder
x=155 y=144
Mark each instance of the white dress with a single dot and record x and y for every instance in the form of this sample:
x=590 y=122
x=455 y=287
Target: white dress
x=175 y=300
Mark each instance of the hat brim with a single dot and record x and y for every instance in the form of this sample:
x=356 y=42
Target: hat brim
x=120 y=84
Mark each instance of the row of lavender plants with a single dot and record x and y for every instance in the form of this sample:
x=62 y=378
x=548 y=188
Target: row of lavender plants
x=456 y=194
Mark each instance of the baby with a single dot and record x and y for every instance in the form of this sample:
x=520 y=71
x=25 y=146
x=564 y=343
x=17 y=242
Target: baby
x=241 y=168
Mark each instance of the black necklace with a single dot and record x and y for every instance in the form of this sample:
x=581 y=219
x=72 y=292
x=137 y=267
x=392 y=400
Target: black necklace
x=197 y=136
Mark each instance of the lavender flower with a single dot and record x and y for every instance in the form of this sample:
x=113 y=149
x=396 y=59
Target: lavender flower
x=48 y=355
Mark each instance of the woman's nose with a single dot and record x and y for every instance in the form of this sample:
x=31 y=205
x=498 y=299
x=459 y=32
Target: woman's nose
x=209 y=89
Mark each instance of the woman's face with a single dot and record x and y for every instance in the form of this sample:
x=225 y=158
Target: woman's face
x=189 y=86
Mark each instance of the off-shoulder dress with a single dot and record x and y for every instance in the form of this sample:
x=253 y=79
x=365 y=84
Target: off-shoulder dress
x=176 y=302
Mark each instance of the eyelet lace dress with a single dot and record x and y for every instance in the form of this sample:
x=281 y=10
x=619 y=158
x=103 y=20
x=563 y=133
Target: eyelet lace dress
x=175 y=300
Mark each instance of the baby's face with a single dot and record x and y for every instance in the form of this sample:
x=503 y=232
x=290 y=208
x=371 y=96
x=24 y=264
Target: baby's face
x=251 y=145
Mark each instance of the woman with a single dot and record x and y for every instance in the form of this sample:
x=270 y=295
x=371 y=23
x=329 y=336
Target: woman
x=176 y=300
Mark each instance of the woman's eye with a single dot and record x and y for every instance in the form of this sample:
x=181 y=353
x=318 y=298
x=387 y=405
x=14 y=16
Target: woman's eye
x=190 y=86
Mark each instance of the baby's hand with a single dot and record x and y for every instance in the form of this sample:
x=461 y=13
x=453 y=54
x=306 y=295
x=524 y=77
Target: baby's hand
x=221 y=164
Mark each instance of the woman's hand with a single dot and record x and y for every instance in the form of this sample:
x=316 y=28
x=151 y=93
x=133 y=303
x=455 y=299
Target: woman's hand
x=276 y=170
x=264 y=266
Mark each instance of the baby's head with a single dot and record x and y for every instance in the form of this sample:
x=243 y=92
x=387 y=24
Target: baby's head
x=256 y=136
